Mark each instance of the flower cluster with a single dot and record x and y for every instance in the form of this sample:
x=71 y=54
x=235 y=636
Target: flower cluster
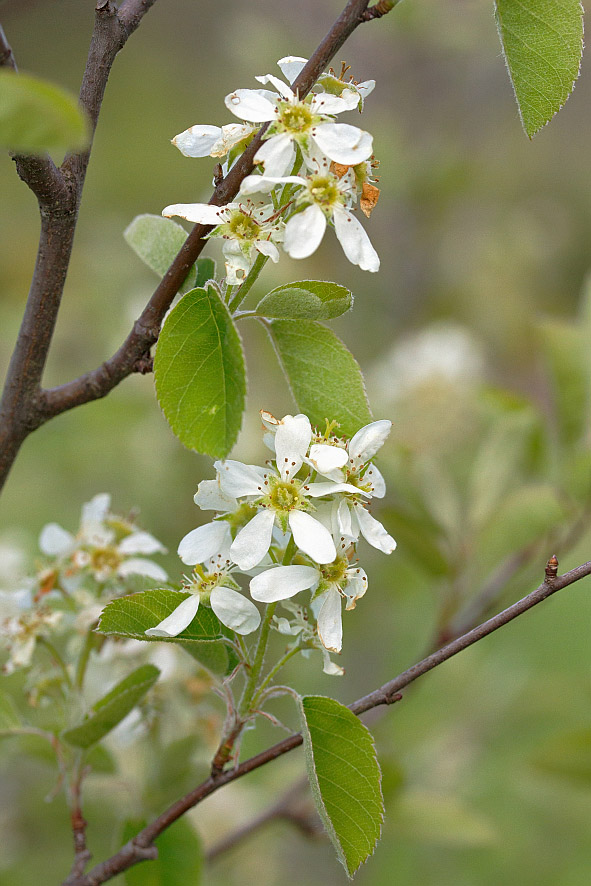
x=291 y=526
x=78 y=575
x=332 y=161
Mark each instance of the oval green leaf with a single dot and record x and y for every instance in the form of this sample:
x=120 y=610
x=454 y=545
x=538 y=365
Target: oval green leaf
x=113 y=707
x=157 y=241
x=344 y=776
x=200 y=375
x=131 y=616
x=36 y=116
x=542 y=43
x=306 y=300
x=324 y=376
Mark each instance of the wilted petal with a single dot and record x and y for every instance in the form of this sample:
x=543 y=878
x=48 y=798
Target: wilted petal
x=278 y=154
x=139 y=566
x=141 y=543
x=210 y=497
x=292 y=439
x=330 y=626
x=356 y=586
x=330 y=667
x=177 y=621
x=312 y=537
x=304 y=232
x=237 y=479
x=235 y=611
x=55 y=541
x=354 y=240
x=366 y=442
x=253 y=541
x=204 y=542
x=325 y=457
x=231 y=134
x=282 y=582
x=377 y=481
x=373 y=531
x=199 y=213
x=291 y=66
x=343 y=143
x=197 y=141
x=249 y=104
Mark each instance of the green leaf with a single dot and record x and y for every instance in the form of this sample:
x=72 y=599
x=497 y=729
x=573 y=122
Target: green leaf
x=205 y=271
x=344 y=776
x=36 y=116
x=113 y=707
x=542 y=41
x=157 y=240
x=324 y=377
x=567 y=755
x=131 y=616
x=200 y=374
x=180 y=857
x=10 y=719
x=100 y=760
x=306 y=300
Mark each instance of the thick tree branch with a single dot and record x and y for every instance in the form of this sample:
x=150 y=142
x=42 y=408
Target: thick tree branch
x=22 y=407
x=135 y=850
x=99 y=382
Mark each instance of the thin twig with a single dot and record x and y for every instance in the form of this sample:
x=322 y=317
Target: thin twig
x=134 y=851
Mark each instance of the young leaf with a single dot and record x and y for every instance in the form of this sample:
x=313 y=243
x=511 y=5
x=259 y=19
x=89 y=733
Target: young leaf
x=307 y=300
x=200 y=375
x=542 y=41
x=157 y=240
x=324 y=377
x=36 y=116
x=344 y=776
x=205 y=272
x=180 y=857
x=131 y=616
x=113 y=707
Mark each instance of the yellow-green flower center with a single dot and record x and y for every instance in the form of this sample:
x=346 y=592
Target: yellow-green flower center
x=104 y=560
x=242 y=227
x=284 y=496
x=294 y=118
x=324 y=191
x=335 y=572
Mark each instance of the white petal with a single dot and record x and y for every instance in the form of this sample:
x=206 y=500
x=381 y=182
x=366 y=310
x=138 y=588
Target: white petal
x=304 y=232
x=269 y=421
x=278 y=154
x=235 y=611
x=291 y=443
x=265 y=247
x=291 y=66
x=210 y=497
x=356 y=586
x=239 y=256
x=330 y=626
x=312 y=537
x=139 y=566
x=95 y=510
x=253 y=541
x=351 y=98
x=202 y=543
x=373 y=531
x=317 y=490
x=343 y=143
x=355 y=242
x=231 y=134
x=237 y=479
x=197 y=141
x=326 y=458
x=330 y=667
x=55 y=541
x=377 y=481
x=249 y=104
x=141 y=543
x=344 y=519
x=366 y=442
x=281 y=87
x=199 y=213
x=175 y=623
x=282 y=582
x=325 y=103
x=255 y=184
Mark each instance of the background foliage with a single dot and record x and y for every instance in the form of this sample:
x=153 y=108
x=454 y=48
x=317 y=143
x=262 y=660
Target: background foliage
x=484 y=239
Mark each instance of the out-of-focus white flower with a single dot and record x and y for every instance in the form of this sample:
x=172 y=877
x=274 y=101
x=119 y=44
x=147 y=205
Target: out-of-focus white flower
x=21 y=623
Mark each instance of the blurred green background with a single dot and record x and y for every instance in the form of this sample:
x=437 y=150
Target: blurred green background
x=474 y=343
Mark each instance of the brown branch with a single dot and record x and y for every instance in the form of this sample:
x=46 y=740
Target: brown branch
x=135 y=850
x=99 y=382
x=22 y=407
x=81 y=853
x=7 y=59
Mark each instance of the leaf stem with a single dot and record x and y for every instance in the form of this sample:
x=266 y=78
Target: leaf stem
x=274 y=670
x=245 y=702
x=57 y=658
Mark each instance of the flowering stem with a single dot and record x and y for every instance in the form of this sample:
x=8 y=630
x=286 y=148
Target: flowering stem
x=57 y=658
x=244 y=288
x=249 y=690
x=274 y=670
x=84 y=657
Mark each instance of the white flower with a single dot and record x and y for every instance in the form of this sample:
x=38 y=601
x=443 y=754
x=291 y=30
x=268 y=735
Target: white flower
x=214 y=586
x=323 y=197
x=20 y=625
x=95 y=546
x=307 y=123
x=246 y=228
